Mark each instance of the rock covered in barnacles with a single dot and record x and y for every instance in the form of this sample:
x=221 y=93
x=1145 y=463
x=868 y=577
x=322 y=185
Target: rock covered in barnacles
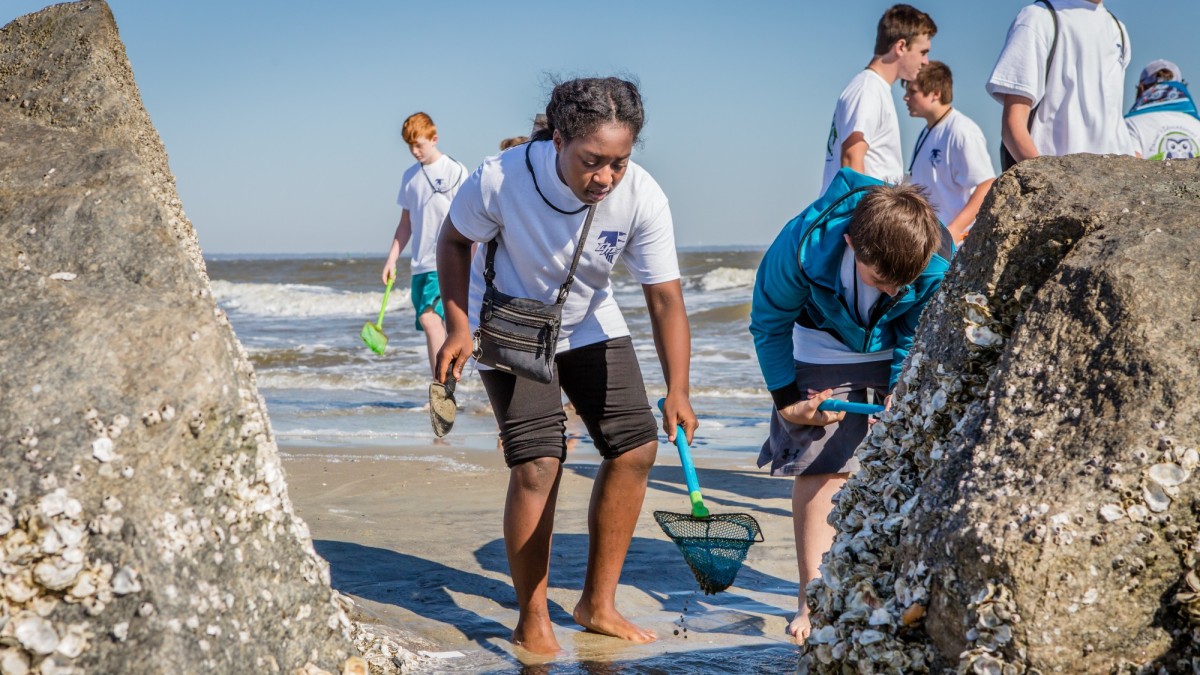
x=1050 y=493
x=135 y=537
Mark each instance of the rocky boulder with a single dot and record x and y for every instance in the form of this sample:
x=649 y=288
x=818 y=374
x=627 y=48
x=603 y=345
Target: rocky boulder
x=145 y=525
x=1031 y=502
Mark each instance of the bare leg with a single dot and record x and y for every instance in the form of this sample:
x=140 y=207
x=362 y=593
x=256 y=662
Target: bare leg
x=616 y=502
x=435 y=335
x=812 y=502
x=528 y=526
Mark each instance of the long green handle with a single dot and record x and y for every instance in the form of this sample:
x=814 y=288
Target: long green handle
x=689 y=469
x=386 y=293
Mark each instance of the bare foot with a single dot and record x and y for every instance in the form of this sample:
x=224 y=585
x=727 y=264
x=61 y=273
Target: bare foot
x=536 y=636
x=610 y=622
x=801 y=626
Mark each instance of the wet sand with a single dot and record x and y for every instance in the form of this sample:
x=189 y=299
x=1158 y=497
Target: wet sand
x=414 y=536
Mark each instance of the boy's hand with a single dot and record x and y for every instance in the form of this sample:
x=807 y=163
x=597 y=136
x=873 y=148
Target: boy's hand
x=389 y=270
x=806 y=413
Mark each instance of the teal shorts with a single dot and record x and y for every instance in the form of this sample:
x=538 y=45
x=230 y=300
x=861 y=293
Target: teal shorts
x=426 y=294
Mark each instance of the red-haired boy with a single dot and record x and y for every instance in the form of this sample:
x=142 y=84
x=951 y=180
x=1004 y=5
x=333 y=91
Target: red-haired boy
x=426 y=191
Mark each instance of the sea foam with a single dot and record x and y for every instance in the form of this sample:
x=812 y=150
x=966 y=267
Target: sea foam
x=299 y=300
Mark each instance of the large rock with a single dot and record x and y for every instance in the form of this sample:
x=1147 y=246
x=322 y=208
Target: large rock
x=145 y=526
x=1029 y=505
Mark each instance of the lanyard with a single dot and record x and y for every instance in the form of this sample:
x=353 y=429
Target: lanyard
x=434 y=187
x=529 y=165
x=921 y=140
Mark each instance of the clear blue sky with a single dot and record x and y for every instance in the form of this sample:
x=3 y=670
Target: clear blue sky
x=282 y=119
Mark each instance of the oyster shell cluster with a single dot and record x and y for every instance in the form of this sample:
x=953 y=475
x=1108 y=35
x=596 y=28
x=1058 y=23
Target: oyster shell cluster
x=868 y=608
x=866 y=611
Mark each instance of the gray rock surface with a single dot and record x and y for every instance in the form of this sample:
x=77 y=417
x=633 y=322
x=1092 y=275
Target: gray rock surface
x=1030 y=503
x=145 y=525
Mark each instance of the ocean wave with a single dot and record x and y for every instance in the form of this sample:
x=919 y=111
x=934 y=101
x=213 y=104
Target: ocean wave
x=724 y=278
x=445 y=462
x=300 y=300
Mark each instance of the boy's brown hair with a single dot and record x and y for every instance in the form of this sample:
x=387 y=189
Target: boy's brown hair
x=513 y=142
x=902 y=22
x=936 y=76
x=895 y=230
x=418 y=126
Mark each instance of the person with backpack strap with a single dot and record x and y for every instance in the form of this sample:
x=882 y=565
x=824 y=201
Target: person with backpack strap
x=1060 y=77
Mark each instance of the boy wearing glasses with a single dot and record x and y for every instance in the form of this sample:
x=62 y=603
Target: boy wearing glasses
x=426 y=191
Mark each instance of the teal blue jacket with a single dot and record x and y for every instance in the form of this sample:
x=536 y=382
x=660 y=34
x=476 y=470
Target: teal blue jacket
x=799 y=280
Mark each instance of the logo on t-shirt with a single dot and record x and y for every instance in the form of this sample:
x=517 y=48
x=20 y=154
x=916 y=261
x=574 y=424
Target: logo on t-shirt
x=935 y=156
x=832 y=139
x=1176 y=145
x=610 y=244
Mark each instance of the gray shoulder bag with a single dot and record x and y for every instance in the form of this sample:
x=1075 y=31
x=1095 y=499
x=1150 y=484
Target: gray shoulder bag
x=519 y=335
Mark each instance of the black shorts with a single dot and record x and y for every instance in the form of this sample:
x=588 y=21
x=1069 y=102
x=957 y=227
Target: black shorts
x=603 y=382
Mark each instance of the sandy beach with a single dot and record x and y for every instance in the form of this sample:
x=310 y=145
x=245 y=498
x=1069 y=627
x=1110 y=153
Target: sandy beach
x=413 y=534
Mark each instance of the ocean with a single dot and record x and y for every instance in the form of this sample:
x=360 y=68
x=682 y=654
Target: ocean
x=299 y=318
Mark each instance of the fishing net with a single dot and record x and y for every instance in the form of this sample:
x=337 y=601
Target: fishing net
x=714 y=547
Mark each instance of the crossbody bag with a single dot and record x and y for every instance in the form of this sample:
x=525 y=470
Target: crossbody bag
x=520 y=335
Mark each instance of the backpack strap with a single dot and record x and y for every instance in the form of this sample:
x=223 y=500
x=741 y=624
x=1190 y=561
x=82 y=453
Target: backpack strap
x=1120 y=29
x=1049 y=59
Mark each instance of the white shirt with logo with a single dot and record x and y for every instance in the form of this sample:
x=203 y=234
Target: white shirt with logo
x=426 y=195
x=1165 y=135
x=536 y=243
x=1080 y=106
x=866 y=106
x=950 y=160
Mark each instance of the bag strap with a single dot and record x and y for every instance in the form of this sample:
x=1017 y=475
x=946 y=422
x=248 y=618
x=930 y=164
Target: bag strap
x=1050 y=58
x=489 y=269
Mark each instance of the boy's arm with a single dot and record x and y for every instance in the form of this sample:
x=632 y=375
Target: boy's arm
x=780 y=292
x=970 y=210
x=399 y=241
x=854 y=152
x=1014 y=127
x=673 y=341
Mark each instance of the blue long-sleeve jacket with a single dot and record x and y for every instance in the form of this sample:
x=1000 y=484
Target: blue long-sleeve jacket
x=799 y=279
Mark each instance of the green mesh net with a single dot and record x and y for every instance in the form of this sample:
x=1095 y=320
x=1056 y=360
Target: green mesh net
x=714 y=547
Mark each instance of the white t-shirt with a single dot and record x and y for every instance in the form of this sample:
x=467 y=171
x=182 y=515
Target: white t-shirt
x=950 y=160
x=817 y=346
x=426 y=195
x=1080 y=106
x=866 y=106
x=1165 y=135
x=536 y=243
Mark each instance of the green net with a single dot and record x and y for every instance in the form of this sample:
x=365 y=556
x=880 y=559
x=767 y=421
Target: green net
x=714 y=547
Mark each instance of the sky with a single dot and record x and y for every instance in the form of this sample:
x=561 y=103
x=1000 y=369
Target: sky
x=282 y=119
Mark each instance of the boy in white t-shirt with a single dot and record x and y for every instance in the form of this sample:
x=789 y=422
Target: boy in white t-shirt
x=426 y=191
x=951 y=158
x=1163 y=122
x=1077 y=105
x=865 y=133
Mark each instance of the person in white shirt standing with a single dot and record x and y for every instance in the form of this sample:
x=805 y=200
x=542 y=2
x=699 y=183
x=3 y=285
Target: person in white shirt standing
x=865 y=133
x=951 y=158
x=1061 y=77
x=528 y=203
x=1163 y=121
x=426 y=191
